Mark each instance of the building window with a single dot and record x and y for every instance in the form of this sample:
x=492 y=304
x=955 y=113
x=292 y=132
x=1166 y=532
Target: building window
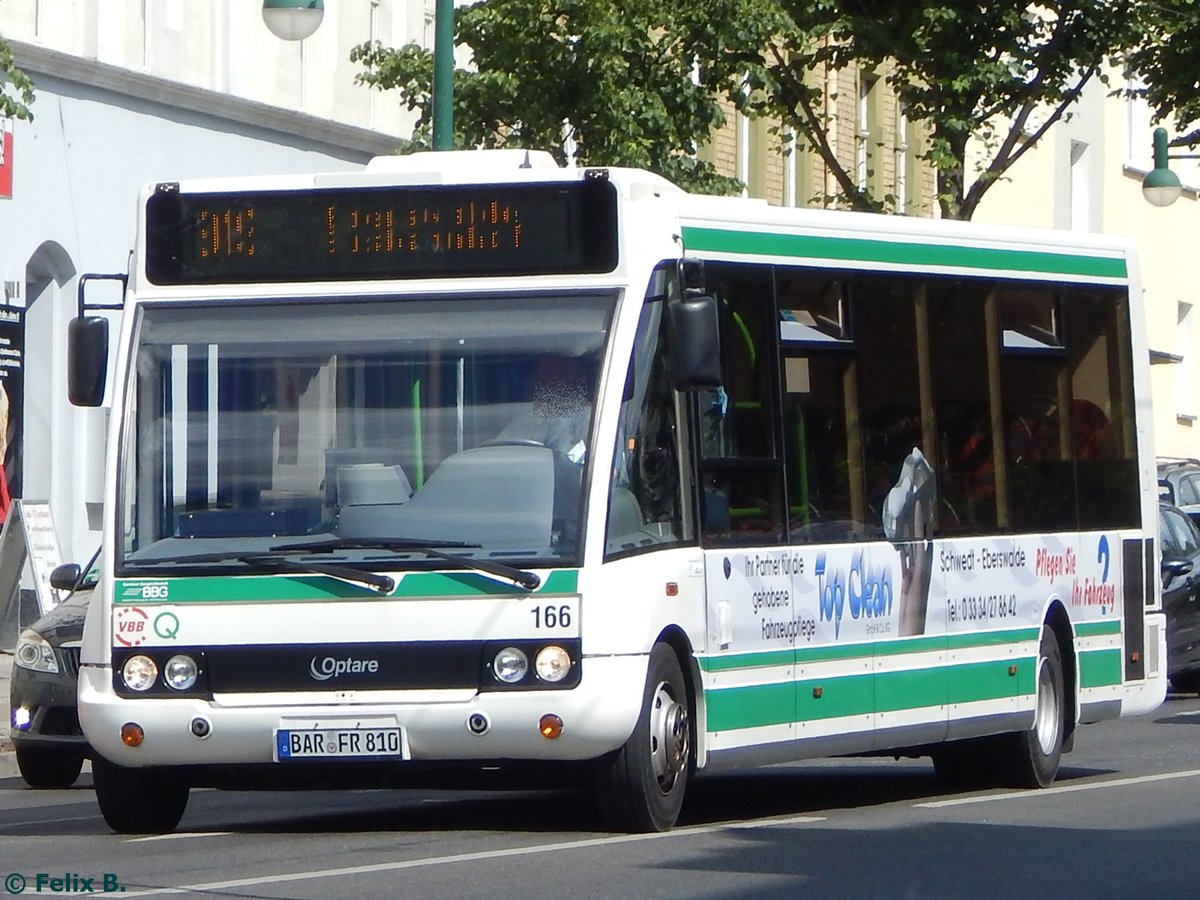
x=1080 y=193
x=1186 y=374
x=862 y=136
x=427 y=38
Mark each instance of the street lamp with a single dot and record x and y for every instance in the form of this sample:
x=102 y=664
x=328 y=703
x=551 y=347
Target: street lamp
x=293 y=20
x=1161 y=186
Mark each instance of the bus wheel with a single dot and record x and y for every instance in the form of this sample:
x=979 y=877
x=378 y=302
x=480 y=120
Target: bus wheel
x=1032 y=757
x=640 y=787
x=138 y=801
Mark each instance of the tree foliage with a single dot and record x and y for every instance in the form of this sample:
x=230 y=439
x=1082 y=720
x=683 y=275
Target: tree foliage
x=615 y=78
x=16 y=88
x=989 y=75
x=1167 y=62
x=984 y=81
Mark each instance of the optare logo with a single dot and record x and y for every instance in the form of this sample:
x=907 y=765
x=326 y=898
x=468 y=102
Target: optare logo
x=329 y=667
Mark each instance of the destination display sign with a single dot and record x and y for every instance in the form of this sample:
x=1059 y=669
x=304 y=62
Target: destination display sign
x=380 y=233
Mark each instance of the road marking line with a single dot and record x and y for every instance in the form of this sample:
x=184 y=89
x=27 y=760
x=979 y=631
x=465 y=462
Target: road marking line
x=178 y=835
x=1063 y=789
x=473 y=857
x=4 y=825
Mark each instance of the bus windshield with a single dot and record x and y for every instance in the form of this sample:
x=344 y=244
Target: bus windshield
x=441 y=422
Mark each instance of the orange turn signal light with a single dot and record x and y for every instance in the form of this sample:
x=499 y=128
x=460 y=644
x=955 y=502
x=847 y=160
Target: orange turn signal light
x=550 y=725
x=132 y=734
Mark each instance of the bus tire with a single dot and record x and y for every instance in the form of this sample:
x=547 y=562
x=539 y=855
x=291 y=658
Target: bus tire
x=1031 y=758
x=640 y=787
x=138 y=801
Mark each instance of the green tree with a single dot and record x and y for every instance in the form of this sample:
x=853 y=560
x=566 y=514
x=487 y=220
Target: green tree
x=1168 y=63
x=616 y=79
x=639 y=82
x=16 y=89
x=986 y=76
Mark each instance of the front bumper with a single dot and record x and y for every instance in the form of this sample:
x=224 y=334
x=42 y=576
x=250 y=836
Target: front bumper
x=43 y=711
x=598 y=716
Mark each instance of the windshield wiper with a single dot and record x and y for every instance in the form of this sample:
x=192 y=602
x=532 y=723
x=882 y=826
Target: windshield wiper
x=527 y=580
x=381 y=583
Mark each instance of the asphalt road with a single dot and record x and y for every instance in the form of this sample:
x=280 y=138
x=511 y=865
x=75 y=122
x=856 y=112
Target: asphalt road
x=1123 y=820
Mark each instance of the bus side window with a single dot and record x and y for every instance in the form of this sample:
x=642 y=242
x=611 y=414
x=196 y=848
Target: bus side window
x=966 y=464
x=741 y=470
x=885 y=336
x=644 y=501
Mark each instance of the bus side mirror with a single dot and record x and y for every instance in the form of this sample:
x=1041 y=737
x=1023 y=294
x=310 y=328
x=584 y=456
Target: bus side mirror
x=695 y=343
x=87 y=360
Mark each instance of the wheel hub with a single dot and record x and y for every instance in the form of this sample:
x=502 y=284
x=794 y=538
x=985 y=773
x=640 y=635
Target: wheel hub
x=669 y=737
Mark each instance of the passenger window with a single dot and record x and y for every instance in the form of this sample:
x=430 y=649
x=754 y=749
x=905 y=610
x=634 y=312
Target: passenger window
x=965 y=451
x=741 y=473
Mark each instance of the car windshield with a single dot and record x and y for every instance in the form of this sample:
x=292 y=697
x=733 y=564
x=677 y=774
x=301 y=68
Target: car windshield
x=461 y=424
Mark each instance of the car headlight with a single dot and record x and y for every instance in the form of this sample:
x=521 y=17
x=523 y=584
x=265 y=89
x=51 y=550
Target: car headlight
x=34 y=652
x=552 y=663
x=140 y=673
x=510 y=665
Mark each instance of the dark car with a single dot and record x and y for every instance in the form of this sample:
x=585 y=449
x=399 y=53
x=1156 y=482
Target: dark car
x=44 y=717
x=1180 y=539
x=1179 y=484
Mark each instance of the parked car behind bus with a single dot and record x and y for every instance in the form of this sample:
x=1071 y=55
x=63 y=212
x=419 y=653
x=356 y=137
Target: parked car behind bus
x=1180 y=538
x=43 y=717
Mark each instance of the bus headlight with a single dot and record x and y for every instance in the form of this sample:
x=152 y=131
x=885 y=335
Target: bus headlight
x=552 y=663
x=139 y=673
x=510 y=665
x=180 y=673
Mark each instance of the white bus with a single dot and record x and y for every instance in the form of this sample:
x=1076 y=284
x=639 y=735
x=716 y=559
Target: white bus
x=466 y=463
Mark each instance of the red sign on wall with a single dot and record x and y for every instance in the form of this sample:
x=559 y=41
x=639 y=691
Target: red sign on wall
x=6 y=158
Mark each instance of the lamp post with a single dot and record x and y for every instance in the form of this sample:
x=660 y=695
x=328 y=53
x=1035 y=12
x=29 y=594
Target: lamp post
x=1161 y=186
x=293 y=20
x=443 y=75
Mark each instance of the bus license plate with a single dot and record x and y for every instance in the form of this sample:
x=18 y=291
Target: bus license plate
x=339 y=743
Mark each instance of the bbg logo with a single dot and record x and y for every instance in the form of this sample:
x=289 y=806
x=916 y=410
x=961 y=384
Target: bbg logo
x=329 y=667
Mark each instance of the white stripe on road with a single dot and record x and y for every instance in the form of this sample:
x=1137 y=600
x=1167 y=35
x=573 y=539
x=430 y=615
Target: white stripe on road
x=177 y=835
x=1062 y=789
x=472 y=857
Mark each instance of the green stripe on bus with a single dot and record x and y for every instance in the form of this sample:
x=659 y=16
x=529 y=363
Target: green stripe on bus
x=864 y=250
x=291 y=588
x=757 y=706
x=1100 y=668
x=1096 y=629
x=803 y=655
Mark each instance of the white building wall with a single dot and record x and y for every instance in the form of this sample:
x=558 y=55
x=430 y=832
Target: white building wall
x=137 y=91
x=1117 y=134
